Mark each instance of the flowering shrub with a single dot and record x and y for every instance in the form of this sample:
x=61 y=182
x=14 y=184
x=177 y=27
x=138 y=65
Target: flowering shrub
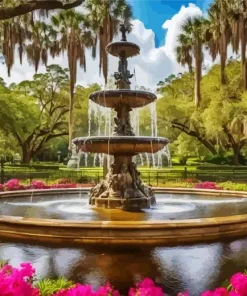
x=20 y=282
x=86 y=290
x=207 y=185
x=38 y=185
x=13 y=184
x=146 y=287
x=15 y=281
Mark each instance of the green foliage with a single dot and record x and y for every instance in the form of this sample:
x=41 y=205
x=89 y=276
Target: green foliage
x=48 y=287
x=220 y=124
x=233 y=186
x=34 y=115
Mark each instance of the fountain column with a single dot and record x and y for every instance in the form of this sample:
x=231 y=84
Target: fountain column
x=122 y=187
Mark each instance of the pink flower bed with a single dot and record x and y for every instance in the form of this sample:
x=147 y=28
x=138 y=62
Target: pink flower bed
x=15 y=184
x=207 y=185
x=20 y=282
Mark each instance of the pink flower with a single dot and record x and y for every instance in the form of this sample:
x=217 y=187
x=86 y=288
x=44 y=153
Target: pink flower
x=208 y=293
x=146 y=283
x=38 y=184
x=221 y=292
x=185 y=293
x=13 y=184
x=207 y=185
x=15 y=281
x=146 y=288
x=239 y=283
x=107 y=290
x=77 y=290
x=27 y=270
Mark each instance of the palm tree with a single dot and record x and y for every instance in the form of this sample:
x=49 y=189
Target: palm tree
x=74 y=38
x=13 y=33
x=237 y=13
x=42 y=38
x=184 y=52
x=104 y=17
x=193 y=31
x=219 y=34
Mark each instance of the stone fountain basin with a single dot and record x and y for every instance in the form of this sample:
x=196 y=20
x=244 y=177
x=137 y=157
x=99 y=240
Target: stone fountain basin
x=116 y=49
x=121 y=145
x=114 y=98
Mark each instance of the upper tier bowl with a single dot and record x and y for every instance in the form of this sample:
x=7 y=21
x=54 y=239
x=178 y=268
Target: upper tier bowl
x=121 y=145
x=132 y=98
x=116 y=48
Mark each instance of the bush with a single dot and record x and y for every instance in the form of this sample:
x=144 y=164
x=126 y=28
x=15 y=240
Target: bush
x=233 y=186
x=20 y=282
x=207 y=185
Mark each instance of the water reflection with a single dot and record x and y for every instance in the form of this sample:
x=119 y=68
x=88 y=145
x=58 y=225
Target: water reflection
x=169 y=206
x=193 y=268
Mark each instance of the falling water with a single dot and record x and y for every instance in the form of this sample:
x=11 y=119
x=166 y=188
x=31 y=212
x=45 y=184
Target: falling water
x=169 y=159
x=154 y=127
x=147 y=159
x=31 y=197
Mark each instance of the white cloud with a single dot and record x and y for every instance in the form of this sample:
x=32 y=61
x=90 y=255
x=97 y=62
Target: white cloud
x=173 y=26
x=151 y=66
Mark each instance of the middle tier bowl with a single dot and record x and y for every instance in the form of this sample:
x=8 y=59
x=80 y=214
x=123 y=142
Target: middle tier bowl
x=121 y=145
x=114 y=98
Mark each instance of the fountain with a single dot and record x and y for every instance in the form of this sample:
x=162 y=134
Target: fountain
x=123 y=187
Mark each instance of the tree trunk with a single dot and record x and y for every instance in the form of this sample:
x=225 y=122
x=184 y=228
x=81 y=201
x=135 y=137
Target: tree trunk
x=236 y=155
x=223 y=56
x=72 y=59
x=71 y=106
x=243 y=52
x=209 y=146
x=190 y=68
x=198 y=70
x=26 y=154
x=186 y=130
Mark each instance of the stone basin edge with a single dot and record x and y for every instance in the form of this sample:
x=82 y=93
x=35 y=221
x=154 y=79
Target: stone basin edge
x=166 y=224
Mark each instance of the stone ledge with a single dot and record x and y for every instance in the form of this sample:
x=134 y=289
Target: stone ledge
x=122 y=232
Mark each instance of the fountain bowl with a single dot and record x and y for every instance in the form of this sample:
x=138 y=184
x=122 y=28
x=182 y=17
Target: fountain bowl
x=116 y=49
x=126 y=145
x=114 y=98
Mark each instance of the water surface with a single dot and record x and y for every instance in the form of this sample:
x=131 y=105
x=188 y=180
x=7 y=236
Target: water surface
x=169 y=206
x=193 y=268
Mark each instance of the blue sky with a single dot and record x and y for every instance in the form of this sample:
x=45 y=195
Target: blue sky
x=153 y=13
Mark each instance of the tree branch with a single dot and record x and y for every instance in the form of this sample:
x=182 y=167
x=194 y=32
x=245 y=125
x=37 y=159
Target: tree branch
x=195 y=134
x=10 y=12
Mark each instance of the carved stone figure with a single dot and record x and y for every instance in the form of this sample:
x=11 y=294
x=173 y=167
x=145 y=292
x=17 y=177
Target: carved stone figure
x=97 y=190
x=123 y=75
x=123 y=30
x=125 y=180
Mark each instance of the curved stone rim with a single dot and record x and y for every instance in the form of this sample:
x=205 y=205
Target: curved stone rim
x=134 y=49
x=144 y=97
x=132 y=233
x=131 y=145
x=120 y=139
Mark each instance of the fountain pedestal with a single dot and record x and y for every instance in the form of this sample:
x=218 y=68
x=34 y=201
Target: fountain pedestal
x=122 y=187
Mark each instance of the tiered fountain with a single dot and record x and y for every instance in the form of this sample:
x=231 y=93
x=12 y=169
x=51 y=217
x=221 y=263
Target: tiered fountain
x=122 y=187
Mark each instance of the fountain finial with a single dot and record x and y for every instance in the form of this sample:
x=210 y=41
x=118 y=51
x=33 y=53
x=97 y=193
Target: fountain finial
x=123 y=30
